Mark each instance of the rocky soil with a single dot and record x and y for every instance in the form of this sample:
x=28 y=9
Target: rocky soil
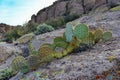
x=87 y=65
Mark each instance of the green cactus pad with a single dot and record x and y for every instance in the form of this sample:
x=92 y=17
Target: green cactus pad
x=59 y=39
x=75 y=43
x=33 y=62
x=89 y=40
x=64 y=52
x=19 y=64
x=68 y=32
x=45 y=54
x=58 y=55
x=60 y=42
x=81 y=31
x=98 y=35
x=107 y=36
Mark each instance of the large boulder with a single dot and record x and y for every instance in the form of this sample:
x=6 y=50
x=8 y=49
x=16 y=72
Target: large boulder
x=7 y=50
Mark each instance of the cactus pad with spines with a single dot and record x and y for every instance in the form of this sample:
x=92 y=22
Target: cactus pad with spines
x=68 y=32
x=60 y=42
x=98 y=35
x=81 y=31
x=107 y=36
x=89 y=40
x=59 y=39
x=45 y=54
x=58 y=55
x=73 y=44
x=33 y=62
x=19 y=64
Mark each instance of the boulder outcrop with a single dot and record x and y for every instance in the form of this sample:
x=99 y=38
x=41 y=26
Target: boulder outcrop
x=67 y=7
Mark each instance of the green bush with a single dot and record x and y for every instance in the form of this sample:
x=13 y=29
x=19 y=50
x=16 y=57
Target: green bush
x=11 y=35
x=5 y=74
x=70 y=17
x=57 y=22
x=29 y=27
x=43 y=28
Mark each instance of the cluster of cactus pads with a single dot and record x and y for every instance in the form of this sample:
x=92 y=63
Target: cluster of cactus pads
x=72 y=39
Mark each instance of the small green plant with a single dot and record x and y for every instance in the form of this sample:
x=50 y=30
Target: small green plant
x=6 y=74
x=19 y=64
x=29 y=27
x=56 y=23
x=43 y=28
x=11 y=35
x=32 y=50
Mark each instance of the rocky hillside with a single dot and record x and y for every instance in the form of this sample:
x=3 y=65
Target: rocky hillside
x=102 y=60
x=69 y=7
x=4 y=28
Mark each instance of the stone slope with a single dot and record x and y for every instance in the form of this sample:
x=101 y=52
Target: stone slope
x=83 y=65
x=67 y=7
x=106 y=21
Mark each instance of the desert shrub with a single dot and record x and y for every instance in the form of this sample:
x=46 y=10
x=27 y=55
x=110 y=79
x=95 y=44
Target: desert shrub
x=29 y=27
x=115 y=8
x=57 y=22
x=43 y=28
x=6 y=73
x=70 y=17
x=11 y=35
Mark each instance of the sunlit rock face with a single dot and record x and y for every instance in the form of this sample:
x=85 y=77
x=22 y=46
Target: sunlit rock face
x=67 y=7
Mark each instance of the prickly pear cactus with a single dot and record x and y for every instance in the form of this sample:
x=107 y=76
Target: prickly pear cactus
x=89 y=40
x=59 y=39
x=68 y=32
x=81 y=31
x=45 y=54
x=60 y=42
x=75 y=43
x=98 y=35
x=107 y=36
x=33 y=62
x=19 y=64
x=58 y=55
x=64 y=52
